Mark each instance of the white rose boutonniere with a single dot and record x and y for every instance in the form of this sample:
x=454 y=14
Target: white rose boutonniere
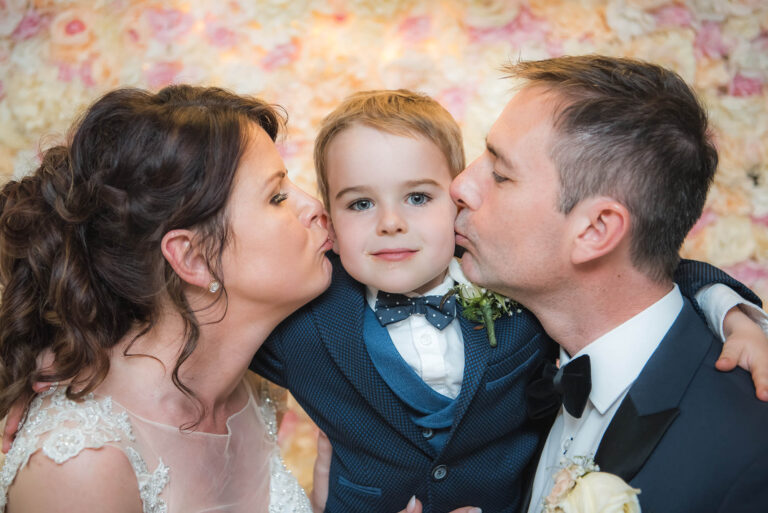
x=479 y=304
x=482 y=305
x=580 y=487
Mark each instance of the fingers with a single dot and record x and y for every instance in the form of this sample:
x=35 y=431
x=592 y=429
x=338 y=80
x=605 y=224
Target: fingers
x=730 y=356
x=758 y=366
x=414 y=506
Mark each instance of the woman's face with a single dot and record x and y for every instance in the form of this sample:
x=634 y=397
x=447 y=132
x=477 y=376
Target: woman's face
x=278 y=237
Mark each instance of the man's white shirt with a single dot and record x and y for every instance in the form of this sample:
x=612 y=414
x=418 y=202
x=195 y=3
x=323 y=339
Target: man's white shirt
x=616 y=358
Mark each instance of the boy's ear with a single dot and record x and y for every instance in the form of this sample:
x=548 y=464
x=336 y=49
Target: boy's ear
x=185 y=258
x=332 y=235
x=600 y=226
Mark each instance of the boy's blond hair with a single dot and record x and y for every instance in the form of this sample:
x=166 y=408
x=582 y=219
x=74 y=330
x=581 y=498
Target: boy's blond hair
x=398 y=112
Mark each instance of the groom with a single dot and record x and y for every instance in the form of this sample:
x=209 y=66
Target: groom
x=594 y=173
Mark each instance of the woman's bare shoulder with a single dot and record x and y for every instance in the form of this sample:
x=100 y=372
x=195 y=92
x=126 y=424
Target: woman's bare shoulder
x=94 y=480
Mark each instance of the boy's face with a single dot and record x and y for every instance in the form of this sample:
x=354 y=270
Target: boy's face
x=390 y=209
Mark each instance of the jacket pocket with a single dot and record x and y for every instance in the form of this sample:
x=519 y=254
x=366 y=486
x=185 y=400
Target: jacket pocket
x=509 y=369
x=367 y=490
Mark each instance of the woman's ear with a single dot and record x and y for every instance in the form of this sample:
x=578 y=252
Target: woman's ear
x=185 y=258
x=601 y=225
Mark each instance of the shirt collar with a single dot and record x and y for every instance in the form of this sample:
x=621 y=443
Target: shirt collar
x=451 y=277
x=618 y=357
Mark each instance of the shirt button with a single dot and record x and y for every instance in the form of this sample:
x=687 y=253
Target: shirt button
x=425 y=340
x=439 y=472
x=428 y=433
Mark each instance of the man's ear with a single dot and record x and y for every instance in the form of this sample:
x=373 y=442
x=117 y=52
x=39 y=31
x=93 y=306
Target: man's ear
x=185 y=258
x=332 y=235
x=600 y=226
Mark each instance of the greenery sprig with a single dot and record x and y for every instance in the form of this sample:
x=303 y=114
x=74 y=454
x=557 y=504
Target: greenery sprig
x=483 y=306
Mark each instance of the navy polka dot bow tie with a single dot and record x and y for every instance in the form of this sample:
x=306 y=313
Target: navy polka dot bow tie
x=396 y=307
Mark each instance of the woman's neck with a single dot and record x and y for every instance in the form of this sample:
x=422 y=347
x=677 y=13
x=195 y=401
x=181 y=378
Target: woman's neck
x=142 y=366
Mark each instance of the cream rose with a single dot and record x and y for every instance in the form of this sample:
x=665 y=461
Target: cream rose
x=600 y=492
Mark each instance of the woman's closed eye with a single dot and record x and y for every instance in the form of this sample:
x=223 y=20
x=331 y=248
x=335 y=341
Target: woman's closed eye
x=278 y=198
x=418 y=198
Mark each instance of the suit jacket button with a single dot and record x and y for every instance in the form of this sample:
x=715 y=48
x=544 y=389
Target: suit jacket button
x=439 y=472
x=428 y=433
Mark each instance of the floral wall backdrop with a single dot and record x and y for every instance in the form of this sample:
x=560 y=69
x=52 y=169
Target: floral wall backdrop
x=56 y=56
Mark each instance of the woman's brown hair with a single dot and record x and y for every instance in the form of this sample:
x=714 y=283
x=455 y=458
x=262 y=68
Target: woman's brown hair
x=80 y=259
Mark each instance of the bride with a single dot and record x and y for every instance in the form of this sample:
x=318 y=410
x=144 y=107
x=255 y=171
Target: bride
x=152 y=256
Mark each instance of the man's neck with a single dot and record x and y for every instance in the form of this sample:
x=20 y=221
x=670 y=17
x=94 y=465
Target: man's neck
x=584 y=313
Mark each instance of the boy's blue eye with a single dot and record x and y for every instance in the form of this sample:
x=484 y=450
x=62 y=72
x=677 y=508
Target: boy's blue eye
x=361 y=204
x=278 y=198
x=418 y=198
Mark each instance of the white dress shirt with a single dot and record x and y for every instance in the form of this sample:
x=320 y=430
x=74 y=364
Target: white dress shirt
x=437 y=356
x=617 y=358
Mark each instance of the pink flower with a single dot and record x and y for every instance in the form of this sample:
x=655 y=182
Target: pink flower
x=747 y=272
x=160 y=74
x=32 y=23
x=709 y=41
x=454 y=99
x=281 y=55
x=672 y=15
x=415 y=28
x=168 y=24
x=219 y=35
x=707 y=217
x=745 y=86
x=71 y=33
x=524 y=29
x=66 y=73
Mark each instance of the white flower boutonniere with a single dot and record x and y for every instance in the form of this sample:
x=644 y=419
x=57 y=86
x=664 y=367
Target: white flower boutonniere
x=580 y=487
x=483 y=306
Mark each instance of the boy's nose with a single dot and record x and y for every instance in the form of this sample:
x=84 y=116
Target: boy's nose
x=391 y=222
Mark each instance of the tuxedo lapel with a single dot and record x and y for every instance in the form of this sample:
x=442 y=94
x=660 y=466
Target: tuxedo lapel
x=631 y=438
x=342 y=335
x=477 y=350
x=651 y=405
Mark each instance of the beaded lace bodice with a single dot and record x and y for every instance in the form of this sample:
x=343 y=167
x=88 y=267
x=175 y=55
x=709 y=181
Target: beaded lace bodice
x=176 y=472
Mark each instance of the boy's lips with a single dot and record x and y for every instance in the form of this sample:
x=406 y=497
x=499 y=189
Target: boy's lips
x=394 y=255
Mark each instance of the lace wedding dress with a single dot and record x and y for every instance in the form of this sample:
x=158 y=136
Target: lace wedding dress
x=177 y=472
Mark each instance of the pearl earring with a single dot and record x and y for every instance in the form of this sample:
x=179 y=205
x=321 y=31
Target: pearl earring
x=214 y=287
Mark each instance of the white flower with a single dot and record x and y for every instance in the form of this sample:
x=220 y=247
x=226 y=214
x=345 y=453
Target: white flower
x=601 y=492
x=580 y=487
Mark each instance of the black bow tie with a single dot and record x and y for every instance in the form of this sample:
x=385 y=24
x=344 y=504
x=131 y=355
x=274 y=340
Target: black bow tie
x=569 y=385
x=396 y=307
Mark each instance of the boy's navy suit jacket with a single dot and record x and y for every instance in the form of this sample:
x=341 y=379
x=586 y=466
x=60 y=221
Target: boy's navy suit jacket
x=380 y=456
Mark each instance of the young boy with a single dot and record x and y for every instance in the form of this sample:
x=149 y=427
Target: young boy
x=418 y=404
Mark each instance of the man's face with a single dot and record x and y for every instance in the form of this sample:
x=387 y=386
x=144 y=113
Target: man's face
x=514 y=235
x=391 y=209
